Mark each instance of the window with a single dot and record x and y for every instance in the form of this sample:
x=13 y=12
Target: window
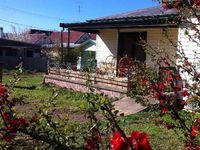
x=29 y=53
x=11 y=52
x=1 y=52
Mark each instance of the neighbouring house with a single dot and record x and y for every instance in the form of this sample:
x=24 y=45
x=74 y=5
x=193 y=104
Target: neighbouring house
x=120 y=35
x=14 y=52
x=87 y=55
x=55 y=40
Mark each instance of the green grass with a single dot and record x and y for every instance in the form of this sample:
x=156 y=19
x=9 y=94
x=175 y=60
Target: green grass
x=31 y=88
x=159 y=137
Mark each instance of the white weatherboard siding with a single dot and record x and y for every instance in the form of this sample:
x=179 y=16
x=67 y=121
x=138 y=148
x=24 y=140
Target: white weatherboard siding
x=107 y=41
x=190 y=48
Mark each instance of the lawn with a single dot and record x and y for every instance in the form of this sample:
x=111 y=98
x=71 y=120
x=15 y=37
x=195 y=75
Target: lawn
x=69 y=103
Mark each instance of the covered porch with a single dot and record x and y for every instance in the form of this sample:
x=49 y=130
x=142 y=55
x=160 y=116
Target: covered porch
x=118 y=44
x=121 y=37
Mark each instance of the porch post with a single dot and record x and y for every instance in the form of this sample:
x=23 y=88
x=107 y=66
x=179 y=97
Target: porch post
x=68 y=45
x=62 y=51
x=118 y=32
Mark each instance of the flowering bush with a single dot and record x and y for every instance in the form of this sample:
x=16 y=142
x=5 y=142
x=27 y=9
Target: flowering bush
x=138 y=141
x=166 y=89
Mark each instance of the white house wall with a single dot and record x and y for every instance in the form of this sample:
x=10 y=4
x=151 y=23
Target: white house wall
x=190 y=47
x=91 y=48
x=107 y=41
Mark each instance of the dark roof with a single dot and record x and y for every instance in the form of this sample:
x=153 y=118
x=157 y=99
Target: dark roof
x=142 y=17
x=92 y=36
x=36 y=31
x=33 y=38
x=55 y=37
x=19 y=44
x=152 y=11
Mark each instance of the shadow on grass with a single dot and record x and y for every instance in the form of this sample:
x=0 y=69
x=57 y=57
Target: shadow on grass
x=25 y=87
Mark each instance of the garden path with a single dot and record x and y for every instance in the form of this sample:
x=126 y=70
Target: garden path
x=128 y=106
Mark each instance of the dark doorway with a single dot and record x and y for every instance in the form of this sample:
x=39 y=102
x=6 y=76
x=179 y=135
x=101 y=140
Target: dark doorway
x=130 y=45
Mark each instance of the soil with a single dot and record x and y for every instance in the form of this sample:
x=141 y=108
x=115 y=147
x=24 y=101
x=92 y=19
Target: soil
x=74 y=115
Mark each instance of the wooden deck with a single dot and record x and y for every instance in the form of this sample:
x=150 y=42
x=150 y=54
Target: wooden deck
x=113 y=87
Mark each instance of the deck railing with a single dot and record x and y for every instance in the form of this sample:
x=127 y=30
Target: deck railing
x=98 y=78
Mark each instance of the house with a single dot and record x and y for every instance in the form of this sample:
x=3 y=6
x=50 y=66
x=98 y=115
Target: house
x=87 y=55
x=57 y=42
x=14 y=52
x=120 y=35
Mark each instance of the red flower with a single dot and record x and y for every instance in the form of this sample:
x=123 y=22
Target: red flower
x=91 y=145
x=23 y=122
x=166 y=6
x=177 y=4
x=178 y=88
x=118 y=142
x=162 y=102
x=182 y=103
x=143 y=143
x=2 y=90
x=194 y=130
x=144 y=81
x=138 y=140
x=163 y=110
x=13 y=125
x=185 y=93
x=152 y=86
x=178 y=78
x=186 y=63
x=7 y=116
x=193 y=27
x=161 y=86
x=135 y=135
x=197 y=2
x=169 y=79
x=8 y=137
x=158 y=95
x=198 y=121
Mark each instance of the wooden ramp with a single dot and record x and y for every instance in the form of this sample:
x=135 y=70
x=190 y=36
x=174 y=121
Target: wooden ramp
x=128 y=106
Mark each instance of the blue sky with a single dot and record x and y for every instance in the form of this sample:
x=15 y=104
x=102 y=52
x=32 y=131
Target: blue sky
x=47 y=14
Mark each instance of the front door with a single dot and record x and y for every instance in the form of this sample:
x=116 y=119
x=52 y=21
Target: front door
x=130 y=45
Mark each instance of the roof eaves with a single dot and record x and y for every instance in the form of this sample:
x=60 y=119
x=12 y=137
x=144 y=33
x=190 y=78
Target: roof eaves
x=133 y=18
x=162 y=18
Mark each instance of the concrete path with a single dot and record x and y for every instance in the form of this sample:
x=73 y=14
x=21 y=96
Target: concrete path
x=128 y=106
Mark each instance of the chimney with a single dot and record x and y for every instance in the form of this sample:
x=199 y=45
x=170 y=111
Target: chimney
x=1 y=32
